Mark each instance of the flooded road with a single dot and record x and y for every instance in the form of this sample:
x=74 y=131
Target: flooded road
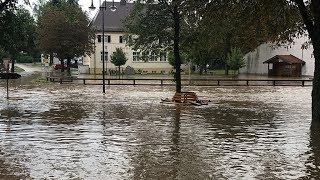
x=53 y=131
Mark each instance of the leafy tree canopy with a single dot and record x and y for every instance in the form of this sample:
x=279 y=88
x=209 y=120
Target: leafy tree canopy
x=63 y=29
x=235 y=59
x=17 y=29
x=118 y=58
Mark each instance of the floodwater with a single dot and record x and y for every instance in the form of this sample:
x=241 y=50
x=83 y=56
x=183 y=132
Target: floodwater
x=53 y=131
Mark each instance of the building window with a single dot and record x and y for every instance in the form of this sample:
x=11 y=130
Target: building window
x=105 y=56
x=136 y=56
x=107 y=38
x=145 y=56
x=163 y=56
x=120 y=39
x=153 y=57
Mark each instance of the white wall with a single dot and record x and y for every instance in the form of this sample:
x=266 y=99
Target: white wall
x=95 y=59
x=254 y=60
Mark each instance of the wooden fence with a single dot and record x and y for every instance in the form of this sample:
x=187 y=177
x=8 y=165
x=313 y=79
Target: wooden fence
x=185 y=82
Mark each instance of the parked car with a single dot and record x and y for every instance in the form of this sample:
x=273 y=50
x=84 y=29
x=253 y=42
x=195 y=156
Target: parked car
x=59 y=66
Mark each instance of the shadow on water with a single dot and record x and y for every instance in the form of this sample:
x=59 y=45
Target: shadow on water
x=67 y=112
x=313 y=162
x=10 y=169
x=166 y=152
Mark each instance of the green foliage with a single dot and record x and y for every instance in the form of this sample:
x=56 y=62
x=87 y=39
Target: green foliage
x=242 y=24
x=155 y=26
x=3 y=54
x=184 y=58
x=63 y=29
x=149 y=27
x=235 y=60
x=17 y=29
x=118 y=58
x=22 y=58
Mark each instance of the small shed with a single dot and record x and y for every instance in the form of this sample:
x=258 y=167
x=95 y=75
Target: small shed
x=285 y=65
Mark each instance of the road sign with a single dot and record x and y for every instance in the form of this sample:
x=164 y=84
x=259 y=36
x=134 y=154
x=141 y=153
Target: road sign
x=9 y=76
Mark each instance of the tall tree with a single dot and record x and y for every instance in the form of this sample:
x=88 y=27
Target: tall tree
x=9 y=4
x=235 y=60
x=119 y=59
x=17 y=29
x=155 y=26
x=310 y=13
x=247 y=24
x=262 y=21
x=63 y=29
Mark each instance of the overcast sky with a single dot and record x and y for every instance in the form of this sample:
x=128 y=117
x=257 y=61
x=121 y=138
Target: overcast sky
x=85 y=4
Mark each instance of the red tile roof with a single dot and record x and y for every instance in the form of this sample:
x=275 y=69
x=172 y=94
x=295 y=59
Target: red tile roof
x=289 y=59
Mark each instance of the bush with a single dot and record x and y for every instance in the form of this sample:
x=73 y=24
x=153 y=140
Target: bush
x=24 y=59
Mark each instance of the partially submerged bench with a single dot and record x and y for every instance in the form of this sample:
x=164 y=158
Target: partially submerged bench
x=185 y=97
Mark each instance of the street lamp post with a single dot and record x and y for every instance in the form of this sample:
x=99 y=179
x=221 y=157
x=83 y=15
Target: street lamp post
x=113 y=8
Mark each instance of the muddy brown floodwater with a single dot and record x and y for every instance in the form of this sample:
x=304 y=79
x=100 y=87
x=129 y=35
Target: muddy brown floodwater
x=55 y=131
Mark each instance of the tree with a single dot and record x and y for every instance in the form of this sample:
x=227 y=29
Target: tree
x=247 y=24
x=155 y=26
x=119 y=58
x=235 y=60
x=262 y=21
x=63 y=29
x=17 y=29
x=310 y=13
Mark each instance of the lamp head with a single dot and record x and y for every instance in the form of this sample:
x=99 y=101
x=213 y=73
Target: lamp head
x=92 y=7
x=113 y=8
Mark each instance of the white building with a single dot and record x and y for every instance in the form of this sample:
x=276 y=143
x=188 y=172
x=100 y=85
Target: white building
x=264 y=52
x=114 y=38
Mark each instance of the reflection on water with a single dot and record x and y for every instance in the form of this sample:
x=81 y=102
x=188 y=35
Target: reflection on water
x=75 y=132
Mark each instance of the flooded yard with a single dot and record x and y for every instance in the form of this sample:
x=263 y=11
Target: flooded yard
x=75 y=132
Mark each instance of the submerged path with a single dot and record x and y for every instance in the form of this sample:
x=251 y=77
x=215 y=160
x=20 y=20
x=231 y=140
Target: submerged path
x=29 y=67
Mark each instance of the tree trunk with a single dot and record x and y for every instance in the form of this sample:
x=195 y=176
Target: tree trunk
x=227 y=51
x=12 y=67
x=62 y=65
x=316 y=82
x=315 y=38
x=312 y=24
x=176 y=51
x=119 y=71
x=226 y=70
x=201 y=69
x=51 y=58
x=68 y=66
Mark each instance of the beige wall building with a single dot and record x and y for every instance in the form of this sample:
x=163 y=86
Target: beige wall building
x=114 y=38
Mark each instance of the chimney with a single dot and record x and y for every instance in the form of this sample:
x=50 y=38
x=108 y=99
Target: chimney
x=123 y=2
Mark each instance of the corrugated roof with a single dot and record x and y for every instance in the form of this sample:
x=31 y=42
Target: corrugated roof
x=112 y=20
x=290 y=59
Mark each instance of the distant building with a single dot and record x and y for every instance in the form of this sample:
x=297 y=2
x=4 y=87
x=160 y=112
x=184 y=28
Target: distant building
x=114 y=38
x=255 y=59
